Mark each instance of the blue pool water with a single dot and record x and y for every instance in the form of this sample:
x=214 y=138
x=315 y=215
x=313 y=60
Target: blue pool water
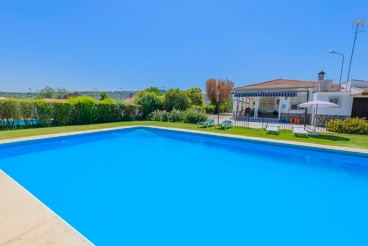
x=20 y=123
x=155 y=187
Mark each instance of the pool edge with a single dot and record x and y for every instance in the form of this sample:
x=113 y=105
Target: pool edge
x=287 y=143
x=28 y=221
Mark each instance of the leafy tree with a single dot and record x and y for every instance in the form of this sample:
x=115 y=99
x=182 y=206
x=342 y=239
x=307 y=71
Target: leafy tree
x=195 y=95
x=150 y=101
x=103 y=96
x=176 y=98
x=227 y=106
x=61 y=93
x=46 y=92
x=219 y=91
x=49 y=92
x=154 y=90
x=66 y=96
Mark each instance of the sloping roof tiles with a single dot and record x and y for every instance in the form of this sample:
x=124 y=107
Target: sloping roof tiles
x=281 y=83
x=364 y=89
x=129 y=99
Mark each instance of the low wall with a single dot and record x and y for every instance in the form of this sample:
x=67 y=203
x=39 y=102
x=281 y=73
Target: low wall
x=287 y=116
x=323 y=119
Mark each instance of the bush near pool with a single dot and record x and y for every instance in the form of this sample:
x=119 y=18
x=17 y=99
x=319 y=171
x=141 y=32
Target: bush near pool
x=76 y=111
x=348 y=125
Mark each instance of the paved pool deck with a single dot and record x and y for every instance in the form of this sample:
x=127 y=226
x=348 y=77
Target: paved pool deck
x=24 y=220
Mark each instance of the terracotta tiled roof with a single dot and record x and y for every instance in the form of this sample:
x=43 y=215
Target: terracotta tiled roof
x=129 y=99
x=280 y=83
x=363 y=89
x=55 y=100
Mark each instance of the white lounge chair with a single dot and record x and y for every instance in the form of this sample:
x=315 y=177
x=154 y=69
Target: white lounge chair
x=299 y=130
x=273 y=128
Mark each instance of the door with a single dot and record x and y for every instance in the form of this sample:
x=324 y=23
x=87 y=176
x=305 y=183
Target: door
x=360 y=107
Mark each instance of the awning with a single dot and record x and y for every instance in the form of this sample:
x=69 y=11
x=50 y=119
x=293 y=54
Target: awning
x=279 y=94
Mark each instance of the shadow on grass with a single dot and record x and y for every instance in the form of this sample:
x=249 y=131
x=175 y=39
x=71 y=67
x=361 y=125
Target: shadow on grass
x=331 y=138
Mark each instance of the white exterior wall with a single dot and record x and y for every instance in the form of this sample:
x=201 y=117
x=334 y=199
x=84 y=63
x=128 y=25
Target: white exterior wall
x=358 y=83
x=346 y=103
x=235 y=104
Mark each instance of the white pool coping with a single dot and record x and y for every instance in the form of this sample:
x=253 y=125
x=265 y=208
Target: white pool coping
x=25 y=220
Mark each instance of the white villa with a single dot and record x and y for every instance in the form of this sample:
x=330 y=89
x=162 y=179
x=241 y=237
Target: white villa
x=280 y=98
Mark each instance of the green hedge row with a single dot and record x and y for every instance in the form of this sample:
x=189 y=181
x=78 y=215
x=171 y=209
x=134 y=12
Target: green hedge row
x=76 y=111
x=192 y=115
x=348 y=125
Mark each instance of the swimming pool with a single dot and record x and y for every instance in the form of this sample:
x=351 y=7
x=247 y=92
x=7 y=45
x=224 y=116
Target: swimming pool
x=147 y=186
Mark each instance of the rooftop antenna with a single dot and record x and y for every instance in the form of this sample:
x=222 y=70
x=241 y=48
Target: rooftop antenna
x=361 y=23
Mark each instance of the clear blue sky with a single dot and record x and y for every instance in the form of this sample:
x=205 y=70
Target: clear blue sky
x=82 y=45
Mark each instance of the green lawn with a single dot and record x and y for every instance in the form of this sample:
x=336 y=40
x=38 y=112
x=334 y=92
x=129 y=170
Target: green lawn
x=344 y=140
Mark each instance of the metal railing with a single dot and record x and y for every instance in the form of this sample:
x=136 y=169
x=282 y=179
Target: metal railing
x=262 y=122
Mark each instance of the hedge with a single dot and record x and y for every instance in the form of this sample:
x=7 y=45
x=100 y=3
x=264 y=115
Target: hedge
x=78 y=110
x=192 y=115
x=348 y=125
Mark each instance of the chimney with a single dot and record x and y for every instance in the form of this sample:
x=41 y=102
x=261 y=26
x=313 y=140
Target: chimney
x=130 y=94
x=321 y=75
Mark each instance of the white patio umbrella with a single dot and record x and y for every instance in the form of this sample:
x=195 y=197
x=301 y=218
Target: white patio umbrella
x=316 y=104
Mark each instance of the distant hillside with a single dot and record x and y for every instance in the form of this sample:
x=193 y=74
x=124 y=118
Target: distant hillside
x=17 y=94
x=117 y=95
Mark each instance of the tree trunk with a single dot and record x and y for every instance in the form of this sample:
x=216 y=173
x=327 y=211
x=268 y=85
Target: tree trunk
x=218 y=113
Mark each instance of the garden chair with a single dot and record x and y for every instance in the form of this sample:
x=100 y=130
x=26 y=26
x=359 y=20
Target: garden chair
x=273 y=128
x=207 y=123
x=299 y=130
x=225 y=124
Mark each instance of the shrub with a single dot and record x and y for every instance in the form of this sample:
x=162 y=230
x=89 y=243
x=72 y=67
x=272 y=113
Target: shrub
x=175 y=115
x=106 y=111
x=62 y=112
x=199 y=109
x=27 y=111
x=194 y=116
x=43 y=113
x=79 y=110
x=9 y=112
x=130 y=111
x=159 y=115
x=348 y=125
x=210 y=109
x=84 y=109
x=150 y=101
x=175 y=98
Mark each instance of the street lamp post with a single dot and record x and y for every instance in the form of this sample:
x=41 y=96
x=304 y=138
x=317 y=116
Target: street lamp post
x=342 y=64
x=361 y=22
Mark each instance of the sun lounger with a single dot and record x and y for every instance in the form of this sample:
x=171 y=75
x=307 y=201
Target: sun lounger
x=207 y=123
x=273 y=128
x=299 y=130
x=225 y=124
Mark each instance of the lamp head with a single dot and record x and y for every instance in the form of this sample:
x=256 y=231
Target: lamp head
x=332 y=52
